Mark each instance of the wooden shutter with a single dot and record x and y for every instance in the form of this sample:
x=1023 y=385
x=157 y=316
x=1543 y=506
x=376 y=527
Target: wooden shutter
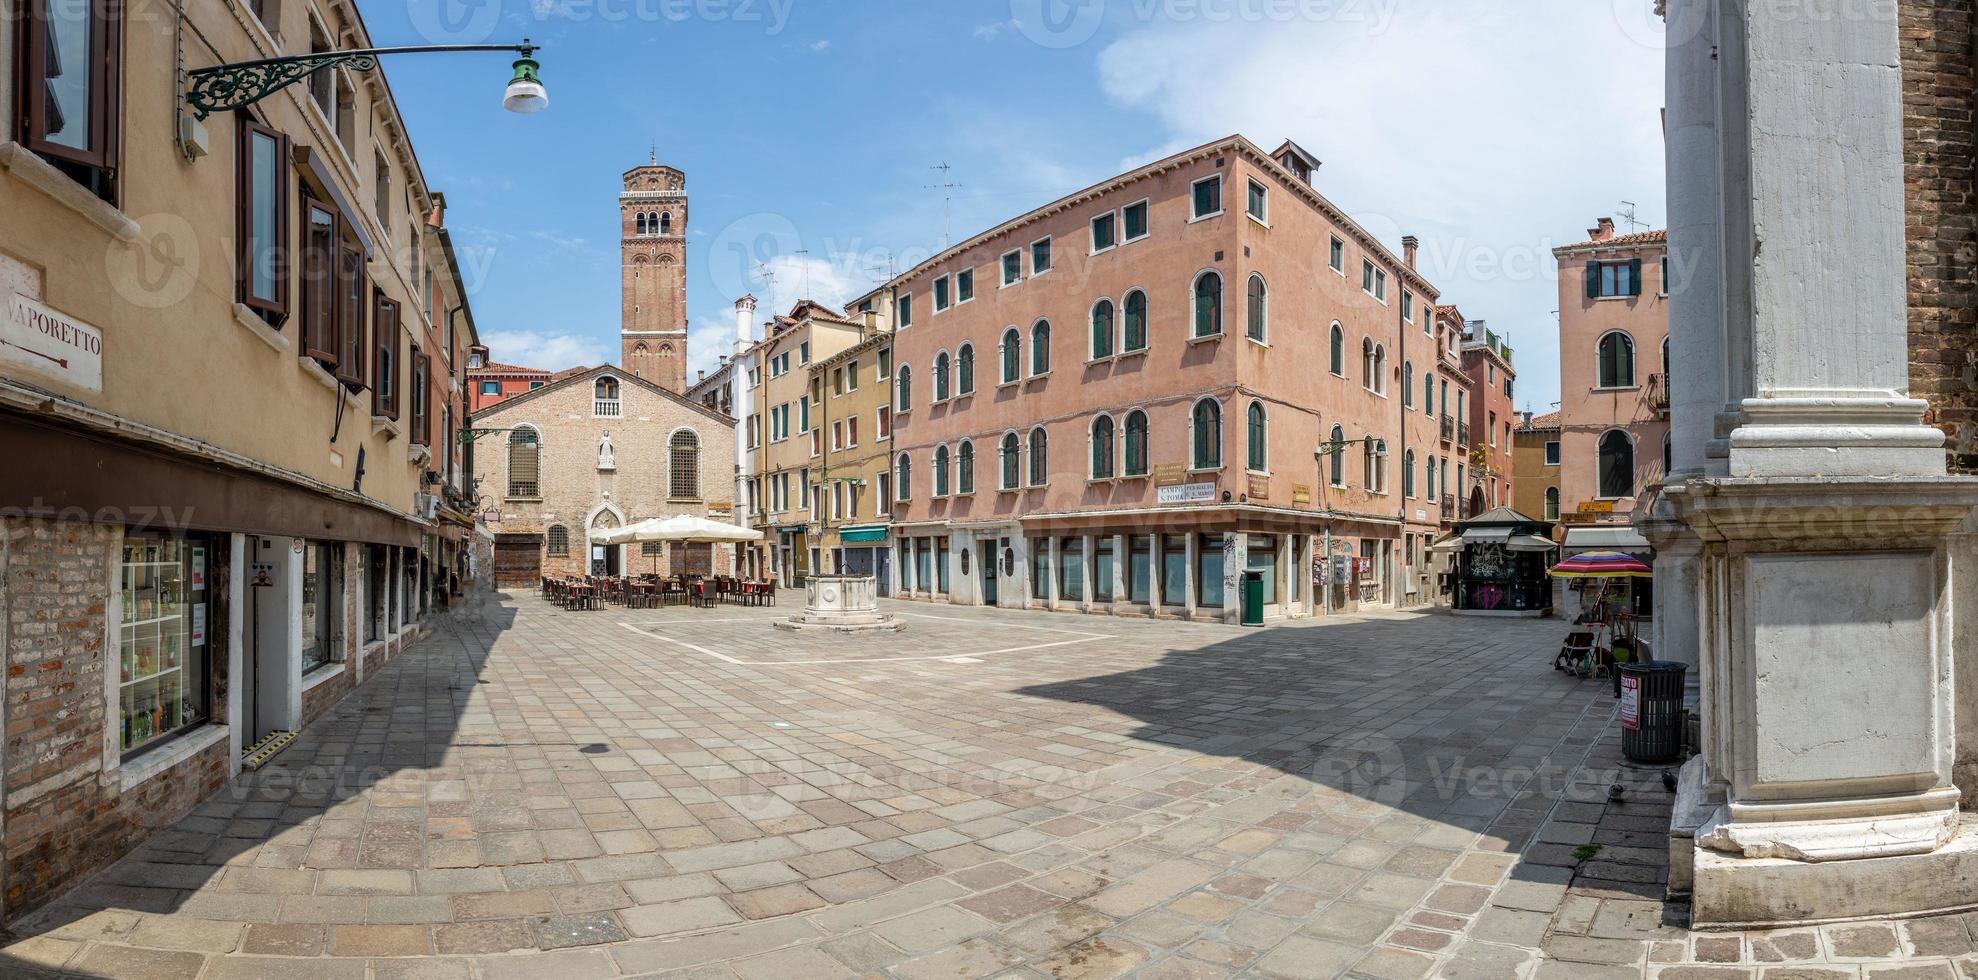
x=1593 y=280
x=1634 y=277
x=421 y=399
x=352 y=303
x=386 y=374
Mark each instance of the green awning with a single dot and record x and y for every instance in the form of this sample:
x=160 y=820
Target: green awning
x=849 y=534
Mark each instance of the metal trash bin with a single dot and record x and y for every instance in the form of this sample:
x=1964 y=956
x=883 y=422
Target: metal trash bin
x=1253 y=599
x=1652 y=710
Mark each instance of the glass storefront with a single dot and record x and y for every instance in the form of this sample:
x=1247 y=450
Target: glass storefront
x=322 y=603
x=1174 y=570
x=1040 y=568
x=941 y=563
x=1071 y=569
x=1261 y=556
x=1102 y=569
x=377 y=593
x=1139 y=568
x=1209 y=572
x=163 y=638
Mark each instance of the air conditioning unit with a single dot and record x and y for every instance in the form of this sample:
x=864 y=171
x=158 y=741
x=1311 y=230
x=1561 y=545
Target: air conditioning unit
x=426 y=505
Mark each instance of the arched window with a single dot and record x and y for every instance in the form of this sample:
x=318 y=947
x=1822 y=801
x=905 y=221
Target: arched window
x=1617 y=464
x=557 y=540
x=666 y=222
x=965 y=370
x=1255 y=425
x=1337 y=456
x=1040 y=463
x=940 y=471
x=1102 y=448
x=904 y=401
x=1338 y=351
x=1102 y=329
x=941 y=377
x=1617 y=360
x=1208 y=305
x=1012 y=356
x=607 y=389
x=903 y=478
x=965 y=468
x=1408 y=474
x=1665 y=362
x=1551 y=503
x=639 y=221
x=1407 y=384
x=1668 y=454
x=1256 y=320
x=1135 y=305
x=1380 y=465
x=1367 y=464
x=1429 y=472
x=1208 y=434
x=524 y=463
x=684 y=461
x=1380 y=369
x=1040 y=347
x=1367 y=363
x=1011 y=467
x=1136 y=443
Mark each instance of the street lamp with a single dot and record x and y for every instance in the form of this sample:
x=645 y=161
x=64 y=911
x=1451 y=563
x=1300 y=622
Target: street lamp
x=242 y=83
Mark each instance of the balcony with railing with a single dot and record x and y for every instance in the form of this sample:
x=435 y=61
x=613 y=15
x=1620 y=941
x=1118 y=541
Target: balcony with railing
x=1449 y=507
x=606 y=408
x=1658 y=394
x=1463 y=434
x=1448 y=428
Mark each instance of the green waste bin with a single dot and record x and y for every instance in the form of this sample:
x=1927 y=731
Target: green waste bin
x=1253 y=598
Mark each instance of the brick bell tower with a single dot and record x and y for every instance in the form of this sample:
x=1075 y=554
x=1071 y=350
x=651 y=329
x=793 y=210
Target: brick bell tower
x=652 y=215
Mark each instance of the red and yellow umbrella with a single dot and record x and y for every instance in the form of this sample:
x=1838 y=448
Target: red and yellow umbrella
x=1602 y=564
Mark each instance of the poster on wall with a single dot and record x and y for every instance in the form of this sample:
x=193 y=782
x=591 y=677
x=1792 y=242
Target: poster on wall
x=198 y=567
x=199 y=625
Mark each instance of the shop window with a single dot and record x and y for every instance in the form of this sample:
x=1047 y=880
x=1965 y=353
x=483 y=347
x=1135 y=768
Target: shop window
x=941 y=564
x=1040 y=568
x=163 y=637
x=1139 y=568
x=322 y=604
x=1209 y=571
x=1102 y=569
x=1174 y=570
x=1261 y=556
x=377 y=592
x=1071 y=569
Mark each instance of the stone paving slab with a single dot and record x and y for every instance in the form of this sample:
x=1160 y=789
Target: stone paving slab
x=688 y=793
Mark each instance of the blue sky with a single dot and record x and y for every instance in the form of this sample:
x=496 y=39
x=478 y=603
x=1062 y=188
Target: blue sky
x=809 y=129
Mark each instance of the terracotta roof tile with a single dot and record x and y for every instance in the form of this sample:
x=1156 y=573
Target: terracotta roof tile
x=496 y=367
x=1660 y=236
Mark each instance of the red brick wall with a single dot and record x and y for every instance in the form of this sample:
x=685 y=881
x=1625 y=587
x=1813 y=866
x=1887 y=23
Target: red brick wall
x=65 y=816
x=1943 y=252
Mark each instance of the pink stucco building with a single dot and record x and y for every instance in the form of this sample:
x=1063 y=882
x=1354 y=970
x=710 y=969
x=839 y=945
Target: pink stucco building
x=1613 y=385
x=1122 y=401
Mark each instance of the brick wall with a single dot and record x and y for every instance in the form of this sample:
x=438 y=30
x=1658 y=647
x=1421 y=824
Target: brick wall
x=65 y=815
x=1943 y=253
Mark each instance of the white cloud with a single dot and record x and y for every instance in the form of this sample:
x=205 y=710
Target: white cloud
x=1491 y=131
x=988 y=32
x=548 y=350
x=794 y=277
x=820 y=45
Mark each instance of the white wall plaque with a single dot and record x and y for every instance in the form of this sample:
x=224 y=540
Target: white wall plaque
x=47 y=343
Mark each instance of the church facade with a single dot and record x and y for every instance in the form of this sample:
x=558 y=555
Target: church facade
x=596 y=450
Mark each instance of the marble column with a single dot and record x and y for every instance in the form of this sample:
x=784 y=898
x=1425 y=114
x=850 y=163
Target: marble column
x=1823 y=572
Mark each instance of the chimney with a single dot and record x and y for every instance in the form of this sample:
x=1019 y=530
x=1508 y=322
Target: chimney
x=871 y=318
x=1409 y=246
x=700 y=376
x=1603 y=232
x=744 y=314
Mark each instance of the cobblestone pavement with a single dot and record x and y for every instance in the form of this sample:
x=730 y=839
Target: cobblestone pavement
x=532 y=793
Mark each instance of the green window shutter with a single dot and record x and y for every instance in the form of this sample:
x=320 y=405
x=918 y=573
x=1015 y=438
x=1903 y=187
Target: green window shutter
x=1634 y=277
x=1593 y=280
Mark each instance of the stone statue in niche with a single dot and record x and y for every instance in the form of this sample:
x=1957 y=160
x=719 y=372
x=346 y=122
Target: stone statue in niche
x=605 y=460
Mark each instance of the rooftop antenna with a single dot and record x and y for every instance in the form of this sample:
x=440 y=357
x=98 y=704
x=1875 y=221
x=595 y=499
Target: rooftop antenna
x=947 y=188
x=891 y=268
x=1628 y=215
x=806 y=266
x=653 y=155
x=767 y=275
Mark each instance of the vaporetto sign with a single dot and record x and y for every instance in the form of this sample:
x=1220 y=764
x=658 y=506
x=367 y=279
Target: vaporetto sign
x=50 y=344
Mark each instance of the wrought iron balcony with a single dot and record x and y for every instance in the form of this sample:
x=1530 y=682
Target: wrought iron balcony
x=1448 y=428
x=1658 y=393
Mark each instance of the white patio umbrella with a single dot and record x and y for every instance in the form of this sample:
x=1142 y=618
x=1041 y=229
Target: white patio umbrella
x=680 y=528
